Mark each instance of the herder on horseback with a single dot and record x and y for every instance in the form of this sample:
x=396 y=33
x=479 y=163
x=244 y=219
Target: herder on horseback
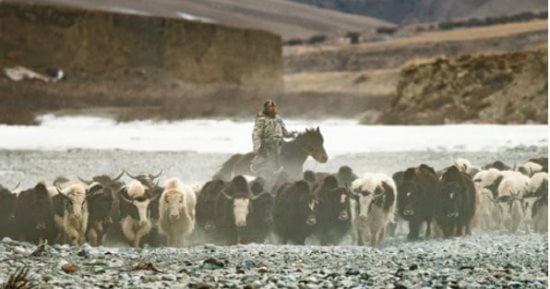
x=269 y=132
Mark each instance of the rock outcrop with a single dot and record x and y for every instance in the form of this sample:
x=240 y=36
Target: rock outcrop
x=494 y=88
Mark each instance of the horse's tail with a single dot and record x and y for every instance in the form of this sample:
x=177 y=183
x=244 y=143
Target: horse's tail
x=226 y=171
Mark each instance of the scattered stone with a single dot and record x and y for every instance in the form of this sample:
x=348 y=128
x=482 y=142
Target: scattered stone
x=203 y=286
x=364 y=276
x=247 y=264
x=184 y=278
x=70 y=268
x=514 y=285
x=352 y=272
x=169 y=278
x=399 y=273
x=84 y=253
x=7 y=240
x=40 y=250
x=99 y=270
x=150 y=278
x=399 y=286
x=147 y=266
x=20 y=250
x=212 y=263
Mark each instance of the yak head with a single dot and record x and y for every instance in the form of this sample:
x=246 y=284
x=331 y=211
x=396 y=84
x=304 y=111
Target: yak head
x=139 y=198
x=239 y=195
x=174 y=202
x=340 y=197
x=74 y=200
x=307 y=202
x=368 y=193
x=100 y=203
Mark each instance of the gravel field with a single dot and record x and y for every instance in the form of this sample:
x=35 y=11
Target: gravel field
x=495 y=260
x=478 y=261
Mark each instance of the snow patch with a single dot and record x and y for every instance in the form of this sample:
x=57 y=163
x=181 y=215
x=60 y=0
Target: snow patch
x=126 y=10
x=192 y=17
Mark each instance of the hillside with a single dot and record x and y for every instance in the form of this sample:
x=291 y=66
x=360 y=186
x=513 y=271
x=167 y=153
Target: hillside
x=286 y=18
x=493 y=88
x=416 y=11
x=153 y=66
x=361 y=80
x=396 y=52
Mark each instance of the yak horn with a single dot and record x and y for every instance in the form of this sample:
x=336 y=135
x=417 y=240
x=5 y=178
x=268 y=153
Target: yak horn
x=378 y=196
x=119 y=176
x=59 y=189
x=157 y=175
x=133 y=177
x=123 y=197
x=84 y=181
x=16 y=186
x=227 y=196
x=259 y=195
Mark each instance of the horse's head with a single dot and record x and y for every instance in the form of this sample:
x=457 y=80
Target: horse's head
x=312 y=143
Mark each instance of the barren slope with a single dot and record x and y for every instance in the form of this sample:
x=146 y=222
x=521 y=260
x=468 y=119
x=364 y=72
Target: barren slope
x=286 y=18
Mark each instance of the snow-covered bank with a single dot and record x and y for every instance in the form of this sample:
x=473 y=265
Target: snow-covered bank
x=226 y=136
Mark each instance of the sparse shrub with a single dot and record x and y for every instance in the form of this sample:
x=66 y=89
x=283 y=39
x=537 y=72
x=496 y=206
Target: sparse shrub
x=420 y=28
x=353 y=37
x=316 y=39
x=492 y=20
x=294 y=41
x=386 y=30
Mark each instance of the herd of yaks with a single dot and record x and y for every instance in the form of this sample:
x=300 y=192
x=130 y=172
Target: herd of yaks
x=329 y=207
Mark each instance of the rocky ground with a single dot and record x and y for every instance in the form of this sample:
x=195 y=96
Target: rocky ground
x=479 y=261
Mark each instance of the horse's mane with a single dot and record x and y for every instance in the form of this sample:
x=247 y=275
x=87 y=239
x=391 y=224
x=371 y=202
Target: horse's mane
x=308 y=132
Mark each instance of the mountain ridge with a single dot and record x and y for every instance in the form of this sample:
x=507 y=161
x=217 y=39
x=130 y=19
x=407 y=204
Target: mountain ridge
x=418 y=11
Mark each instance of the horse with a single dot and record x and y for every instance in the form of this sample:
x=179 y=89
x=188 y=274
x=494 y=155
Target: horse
x=293 y=155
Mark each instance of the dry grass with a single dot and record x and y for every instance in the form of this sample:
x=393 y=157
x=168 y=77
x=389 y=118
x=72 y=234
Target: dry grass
x=373 y=82
x=338 y=94
x=418 y=61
